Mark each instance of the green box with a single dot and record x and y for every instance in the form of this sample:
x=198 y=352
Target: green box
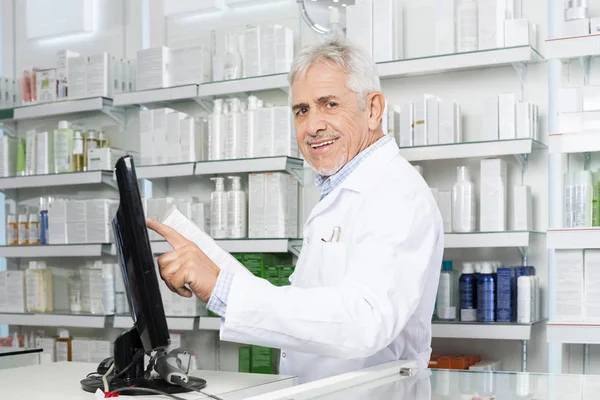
x=256 y=263
x=261 y=360
x=212 y=314
x=244 y=359
x=272 y=275
x=285 y=271
x=284 y=259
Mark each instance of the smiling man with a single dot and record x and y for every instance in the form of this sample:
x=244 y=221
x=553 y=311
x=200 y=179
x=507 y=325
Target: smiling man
x=365 y=283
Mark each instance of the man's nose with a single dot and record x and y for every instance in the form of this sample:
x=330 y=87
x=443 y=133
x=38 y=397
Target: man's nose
x=315 y=124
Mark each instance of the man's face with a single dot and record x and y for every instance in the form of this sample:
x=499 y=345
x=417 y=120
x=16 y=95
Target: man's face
x=331 y=127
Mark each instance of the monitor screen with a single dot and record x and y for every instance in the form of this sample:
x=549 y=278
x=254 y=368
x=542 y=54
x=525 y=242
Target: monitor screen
x=137 y=263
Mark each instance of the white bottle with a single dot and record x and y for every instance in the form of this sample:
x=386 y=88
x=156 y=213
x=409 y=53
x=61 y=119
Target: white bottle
x=463 y=202
x=232 y=68
x=108 y=289
x=249 y=126
x=216 y=136
x=334 y=24
x=237 y=218
x=218 y=210
x=525 y=299
x=233 y=132
x=467 y=25
x=446 y=294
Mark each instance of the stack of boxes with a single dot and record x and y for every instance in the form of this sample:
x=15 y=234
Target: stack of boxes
x=268 y=49
x=504 y=119
x=579 y=109
x=12 y=291
x=80 y=221
x=91 y=350
x=157 y=208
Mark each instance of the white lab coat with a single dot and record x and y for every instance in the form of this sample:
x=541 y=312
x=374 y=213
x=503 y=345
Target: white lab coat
x=363 y=301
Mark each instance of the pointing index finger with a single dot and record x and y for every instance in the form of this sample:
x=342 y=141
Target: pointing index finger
x=174 y=238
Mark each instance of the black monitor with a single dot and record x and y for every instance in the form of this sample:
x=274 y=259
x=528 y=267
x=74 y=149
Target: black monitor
x=150 y=331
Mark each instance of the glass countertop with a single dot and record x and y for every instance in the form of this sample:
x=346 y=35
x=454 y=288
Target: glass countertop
x=474 y=385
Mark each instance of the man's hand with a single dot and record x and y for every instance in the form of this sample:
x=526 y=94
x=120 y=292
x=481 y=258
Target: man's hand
x=185 y=264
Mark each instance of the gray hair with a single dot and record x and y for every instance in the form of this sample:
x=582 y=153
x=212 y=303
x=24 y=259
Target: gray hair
x=358 y=65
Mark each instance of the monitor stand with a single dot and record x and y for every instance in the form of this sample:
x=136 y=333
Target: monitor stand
x=126 y=346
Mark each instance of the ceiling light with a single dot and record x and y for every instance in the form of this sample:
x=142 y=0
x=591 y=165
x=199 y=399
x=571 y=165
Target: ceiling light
x=343 y=4
x=335 y=1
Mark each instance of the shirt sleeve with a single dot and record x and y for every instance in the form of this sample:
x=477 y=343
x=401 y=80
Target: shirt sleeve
x=217 y=302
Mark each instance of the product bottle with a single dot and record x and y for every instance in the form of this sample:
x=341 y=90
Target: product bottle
x=216 y=136
x=525 y=299
x=467 y=25
x=233 y=58
x=237 y=210
x=334 y=24
x=23 y=229
x=468 y=299
x=12 y=230
x=30 y=152
x=233 y=131
x=91 y=142
x=582 y=199
x=486 y=294
x=249 y=126
x=21 y=158
x=34 y=229
x=218 y=210
x=64 y=346
x=77 y=152
x=43 y=220
x=576 y=9
x=108 y=289
x=446 y=295
x=63 y=148
x=75 y=301
x=568 y=200
x=463 y=202
x=102 y=140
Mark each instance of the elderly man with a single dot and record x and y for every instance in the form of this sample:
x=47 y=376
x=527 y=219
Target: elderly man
x=365 y=283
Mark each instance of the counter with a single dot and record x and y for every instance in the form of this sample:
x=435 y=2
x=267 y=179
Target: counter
x=11 y=357
x=60 y=381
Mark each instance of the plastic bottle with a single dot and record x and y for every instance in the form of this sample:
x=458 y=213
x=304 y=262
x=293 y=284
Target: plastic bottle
x=108 y=289
x=237 y=218
x=64 y=346
x=467 y=25
x=12 y=230
x=468 y=299
x=23 y=229
x=102 y=140
x=463 y=202
x=34 y=229
x=446 y=295
x=232 y=62
x=63 y=148
x=486 y=294
x=21 y=157
x=525 y=300
x=249 y=126
x=334 y=24
x=218 y=210
x=90 y=142
x=233 y=131
x=77 y=152
x=582 y=199
x=43 y=220
x=75 y=300
x=216 y=136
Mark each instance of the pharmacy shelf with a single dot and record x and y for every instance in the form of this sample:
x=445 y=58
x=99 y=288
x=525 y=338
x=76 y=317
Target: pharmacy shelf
x=573 y=333
x=573 y=238
x=165 y=171
x=162 y=95
x=241 y=245
x=492 y=331
x=573 y=47
x=471 y=150
x=174 y=323
x=487 y=239
x=210 y=324
x=62 y=107
x=56 y=320
x=55 y=250
x=563 y=143
x=66 y=179
x=244 y=85
x=251 y=165
x=459 y=61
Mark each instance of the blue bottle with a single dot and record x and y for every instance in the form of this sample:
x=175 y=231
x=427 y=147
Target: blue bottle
x=486 y=294
x=504 y=296
x=43 y=221
x=467 y=284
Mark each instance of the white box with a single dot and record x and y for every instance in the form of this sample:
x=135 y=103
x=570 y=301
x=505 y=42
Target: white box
x=12 y=291
x=449 y=122
x=292 y=207
x=8 y=156
x=506 y=116
x=406 y=125
x=445 y=26
x=359 y=24
x=435 y=193
x=398 y=31
x=491 y=17
x=590 y=98
x=194 y=140
x=523 y=208
x=46 y=85
x=420 y=120
x=251 y=65
x=191 y=65
x=76 y=77
x=116 y=65
x=591 y=274
x=45 y=153
x=493 y=169
x=570 y=122
x=569 y=286
x=57 y=210
x=576 y=27
x=445 y=206
x=591 y=121
x=48 y=346
x=256 y=206
x=492 y=206
x=100 y=210
x=524 y=120
x=595 y=26
x=76 y=232
x=284 y=137
x=570 y=100
x=173 y=149
x=490 y=119
x=201 y=215
x=159 y=133
x=267 y=49
x=276 y=203
x=432 y=121
x=383 y=42
x=98 y=76
x=535 y=122
x=284 y=49
x=146 y=136
x=42 y=21
x=105 y=158
x=394 y=122
x=154 y=69
x=516 y=32
x=98 y=232
x=266 y=127
x=76 y=211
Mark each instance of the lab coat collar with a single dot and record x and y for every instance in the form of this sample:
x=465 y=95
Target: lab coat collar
x=366 y=174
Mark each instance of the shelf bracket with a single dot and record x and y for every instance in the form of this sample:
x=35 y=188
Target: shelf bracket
x=586 y=359
x=524 y=254
x=109 y=180
x=116 y=113
x=9 y=128
x=523 y=160
x=294 y=247
x=587 y=160
x=521 y=70
x=524 y=356
x=297 y=171
x=204 y=104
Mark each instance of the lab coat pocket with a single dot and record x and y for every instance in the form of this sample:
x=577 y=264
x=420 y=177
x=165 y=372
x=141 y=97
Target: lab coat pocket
x=333 y=263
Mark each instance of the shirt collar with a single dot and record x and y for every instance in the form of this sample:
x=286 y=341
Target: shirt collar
x=327 y=184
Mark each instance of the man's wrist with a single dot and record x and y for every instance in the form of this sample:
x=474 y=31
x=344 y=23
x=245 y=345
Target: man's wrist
x=217 y=303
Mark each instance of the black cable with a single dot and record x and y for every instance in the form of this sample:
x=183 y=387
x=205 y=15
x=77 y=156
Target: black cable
x=181 y=383
x=135 y=359
x=146 y=390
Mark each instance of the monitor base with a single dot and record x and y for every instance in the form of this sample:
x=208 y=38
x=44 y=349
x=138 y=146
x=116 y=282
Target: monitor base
x=94 y=383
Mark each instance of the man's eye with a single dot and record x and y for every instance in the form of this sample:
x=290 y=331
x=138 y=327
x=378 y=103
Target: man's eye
x=332 y=104
x=302 y=111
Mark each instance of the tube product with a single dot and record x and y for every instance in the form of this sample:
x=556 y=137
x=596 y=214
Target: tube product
x=468 y=293
x=486 y=294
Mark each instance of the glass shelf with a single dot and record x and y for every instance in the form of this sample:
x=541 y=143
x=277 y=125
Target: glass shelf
x=56 y=319
x=56 y=250
x=489 y=239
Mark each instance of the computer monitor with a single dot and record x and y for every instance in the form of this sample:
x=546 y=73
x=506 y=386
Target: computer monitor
x=150 y=331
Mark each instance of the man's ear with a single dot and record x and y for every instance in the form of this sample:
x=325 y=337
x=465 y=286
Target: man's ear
x=375 y=105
